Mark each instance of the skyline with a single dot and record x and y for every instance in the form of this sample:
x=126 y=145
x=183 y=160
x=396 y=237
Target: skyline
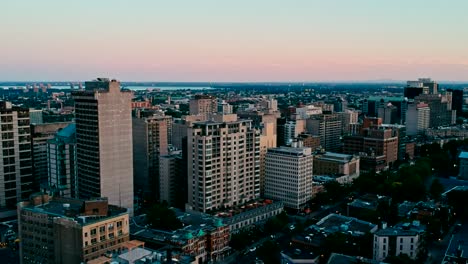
x=263 y=41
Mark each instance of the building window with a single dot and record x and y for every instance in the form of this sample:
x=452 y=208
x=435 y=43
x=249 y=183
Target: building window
x=401 y=247
x=93 y=232
x=384 y=247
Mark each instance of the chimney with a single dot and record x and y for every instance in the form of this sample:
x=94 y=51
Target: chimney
x=384 y=225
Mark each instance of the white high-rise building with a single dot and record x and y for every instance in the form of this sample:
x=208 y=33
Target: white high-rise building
x=417 y=118
x=288 y=175
x=223 y=163
x=104 y=142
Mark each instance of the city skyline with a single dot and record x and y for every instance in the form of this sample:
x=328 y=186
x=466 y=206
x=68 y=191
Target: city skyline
x=261 y=41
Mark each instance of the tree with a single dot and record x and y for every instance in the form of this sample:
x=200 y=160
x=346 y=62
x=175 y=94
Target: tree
x=400 y=259
x=436 y=189
x=269 y=252
x=162 y=217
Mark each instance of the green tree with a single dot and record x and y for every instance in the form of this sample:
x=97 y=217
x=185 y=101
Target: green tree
x=269 y=252
x=162 y=217
x=436 y=189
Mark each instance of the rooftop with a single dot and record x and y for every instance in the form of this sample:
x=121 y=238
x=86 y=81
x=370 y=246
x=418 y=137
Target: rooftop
x=245 y=208
x=458 y=245
x=333 y=223
x=463 y=155
x=298 y=254
x=331 y=156
x=336 y=258
x=390 y=231
x=301 y=151
x=82 y=211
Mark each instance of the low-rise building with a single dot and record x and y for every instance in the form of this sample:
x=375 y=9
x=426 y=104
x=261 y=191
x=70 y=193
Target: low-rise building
x=333 y=223
x=299 y=256
x=203 y=237
x=336 y=258
x=394 y=241
x=61 y=230
x=251 y=214
x=337 y=165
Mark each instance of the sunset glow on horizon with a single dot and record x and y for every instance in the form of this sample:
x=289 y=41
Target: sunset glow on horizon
x=234 y=40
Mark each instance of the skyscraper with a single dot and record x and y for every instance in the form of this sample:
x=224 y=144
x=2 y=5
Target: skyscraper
x=328 y=127
x=61 y=156
x=40 y=134
x=150 y=141
x=15 y=158
x=104 y=142
x=223 y=163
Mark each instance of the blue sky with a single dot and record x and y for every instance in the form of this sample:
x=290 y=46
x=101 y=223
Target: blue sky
x=234 y=40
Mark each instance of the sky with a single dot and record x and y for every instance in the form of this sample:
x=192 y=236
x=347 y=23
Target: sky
x=233 y=40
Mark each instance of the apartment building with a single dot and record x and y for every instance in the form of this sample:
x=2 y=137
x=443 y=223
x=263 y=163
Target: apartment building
x=223 y=163
x=393 y=242
x=203 y=105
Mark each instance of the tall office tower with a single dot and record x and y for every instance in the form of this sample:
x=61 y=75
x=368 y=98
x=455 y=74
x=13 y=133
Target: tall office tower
x=35 y=115
x=146 y=112
x=370 y=106
x=440 y=114
x=15 y=158
x=417 y=118
x=430 y=84
x=465 y=100
x=61 y=230
x=203 y=105
x=421 y=86
x=388 y=113
x=62 y=169
x=266 y=123
x=180 y=128
x=150 y=140
x=328 y=127
x=223 y=164
x=171 y=182
x=457 y=100
x=347 y=118
x=289 y=175
x=40 y=133
x=104 y=142
x=292 y=129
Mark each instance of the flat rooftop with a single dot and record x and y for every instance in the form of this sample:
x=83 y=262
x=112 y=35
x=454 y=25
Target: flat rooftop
x=336 y=258
x=335 y=223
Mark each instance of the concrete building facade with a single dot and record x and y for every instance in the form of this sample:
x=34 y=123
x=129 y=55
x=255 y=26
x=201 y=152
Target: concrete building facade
x=104 y=142
x=150 y=141
x=40 y=134
x=16 y=178
x=223 y=163
x=337 y=165
x=393 y=242
x=58 y=230
x=288 y=175
x=62 y=167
